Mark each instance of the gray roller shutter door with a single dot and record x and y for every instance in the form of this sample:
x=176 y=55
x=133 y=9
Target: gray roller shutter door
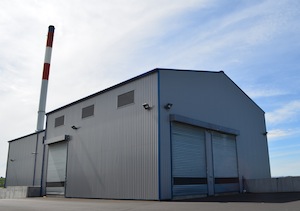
x=188 y=160
x=225 y=163
x=56 y=171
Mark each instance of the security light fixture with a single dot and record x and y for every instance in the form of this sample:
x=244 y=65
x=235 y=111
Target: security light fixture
x=168 y=106
x=74 y=127
x=146 y=106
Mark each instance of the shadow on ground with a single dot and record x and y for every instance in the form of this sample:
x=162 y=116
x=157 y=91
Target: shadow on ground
x=250 y=197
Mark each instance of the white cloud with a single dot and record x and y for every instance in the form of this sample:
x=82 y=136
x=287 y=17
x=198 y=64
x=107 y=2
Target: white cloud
x=287 y=113
x=230 y=40
x=279 y=134
x=292 y=152
x=284 y=159
x=264 y=92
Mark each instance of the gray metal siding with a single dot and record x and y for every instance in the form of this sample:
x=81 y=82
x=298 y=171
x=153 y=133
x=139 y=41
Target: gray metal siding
x=114 y=153
x=22 y=166
x=213 y=98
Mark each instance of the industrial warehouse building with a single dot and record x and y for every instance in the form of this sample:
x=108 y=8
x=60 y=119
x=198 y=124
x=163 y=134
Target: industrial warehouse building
x=162 y=135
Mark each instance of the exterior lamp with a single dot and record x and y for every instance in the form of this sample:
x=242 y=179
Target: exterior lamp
x=74 y=127
x=147 y=106
x=168 y=106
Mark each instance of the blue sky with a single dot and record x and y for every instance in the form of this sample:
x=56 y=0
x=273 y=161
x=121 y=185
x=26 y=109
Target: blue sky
x=100 y=43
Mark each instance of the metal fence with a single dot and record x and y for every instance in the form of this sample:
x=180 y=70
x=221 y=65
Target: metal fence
x=272 y=185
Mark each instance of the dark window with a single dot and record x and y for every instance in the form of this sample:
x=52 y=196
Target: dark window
x=59 y=121
x=126 y=98
x=189 y=181
x=55 y=184
x=226 y=180
x=87 y=111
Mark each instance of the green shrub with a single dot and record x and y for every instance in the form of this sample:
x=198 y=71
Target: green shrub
x=2 y=181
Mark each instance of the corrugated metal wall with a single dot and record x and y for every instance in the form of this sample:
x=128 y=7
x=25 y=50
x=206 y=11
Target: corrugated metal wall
x=24 y=162
x=114 y=153
x=119 y=152
x=212 y=98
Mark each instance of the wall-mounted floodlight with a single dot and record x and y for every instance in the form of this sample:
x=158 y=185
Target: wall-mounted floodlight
x=12 y=160
x=265 y=133
x=147 y=106
x=168 y=106
x=74 y=127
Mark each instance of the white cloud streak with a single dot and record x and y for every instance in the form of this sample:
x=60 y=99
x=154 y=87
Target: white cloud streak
x=295 y=151
x=232 y=38
x=280 y=134
x=264 y=92
x=287 y=113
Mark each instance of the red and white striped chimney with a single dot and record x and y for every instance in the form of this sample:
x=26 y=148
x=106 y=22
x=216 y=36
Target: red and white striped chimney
x=45 y=77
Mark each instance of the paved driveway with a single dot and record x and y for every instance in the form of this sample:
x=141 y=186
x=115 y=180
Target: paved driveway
x=241 y=202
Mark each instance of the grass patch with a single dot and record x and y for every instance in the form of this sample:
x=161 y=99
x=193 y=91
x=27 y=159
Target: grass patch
x=2 y=181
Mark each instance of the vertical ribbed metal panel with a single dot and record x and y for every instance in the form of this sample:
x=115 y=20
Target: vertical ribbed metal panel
x=224 y=155
x=21 y=164
x=209 y=163
x=114 y=153
x=188 y=159
x=213 y=98
x=56 y=168
x=225 y=162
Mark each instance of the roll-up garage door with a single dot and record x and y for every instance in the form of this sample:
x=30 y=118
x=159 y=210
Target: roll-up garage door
x=225 y=163
x=188 y=160
x=56 y=171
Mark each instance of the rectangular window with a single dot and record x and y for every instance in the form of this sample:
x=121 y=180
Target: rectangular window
x=189 y=181
x=126 y=98
x=87 y=111
x=59 y=121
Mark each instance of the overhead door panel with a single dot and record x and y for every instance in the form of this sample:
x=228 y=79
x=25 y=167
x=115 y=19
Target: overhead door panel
x=225 y=163
x=56 y=171
x=189 y=160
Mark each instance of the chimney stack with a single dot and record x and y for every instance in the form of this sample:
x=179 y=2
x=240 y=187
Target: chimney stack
x=45 y=77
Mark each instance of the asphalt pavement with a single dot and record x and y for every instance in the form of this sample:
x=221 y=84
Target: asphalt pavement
x=239 y=202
